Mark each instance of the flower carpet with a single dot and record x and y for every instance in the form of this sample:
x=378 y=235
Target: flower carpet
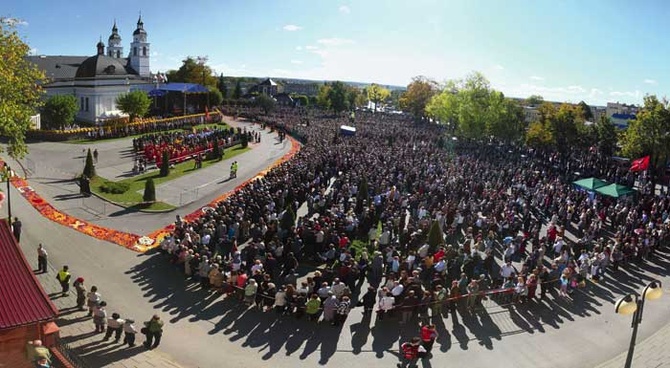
x=131 y=241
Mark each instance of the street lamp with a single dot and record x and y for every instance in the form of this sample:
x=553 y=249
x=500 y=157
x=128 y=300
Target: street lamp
x=634 y=304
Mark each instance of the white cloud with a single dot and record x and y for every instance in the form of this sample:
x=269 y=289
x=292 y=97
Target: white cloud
x=33 y=51
x=13 y=21
x=635 y=94
x=536 y=78
x=498 y=67
x=650 y=81
x=296 y=62
x=345 y=9
x=280 y=73
x=311 y=48
x=335 y=41
x=298 y=48
x=291 y=28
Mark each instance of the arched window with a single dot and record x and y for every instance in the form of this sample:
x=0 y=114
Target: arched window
x=144 y=51
x=134 y=51
x=118 y=54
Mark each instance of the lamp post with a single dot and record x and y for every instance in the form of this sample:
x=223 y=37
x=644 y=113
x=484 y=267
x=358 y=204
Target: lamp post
x=634 y=304
x=8 y=173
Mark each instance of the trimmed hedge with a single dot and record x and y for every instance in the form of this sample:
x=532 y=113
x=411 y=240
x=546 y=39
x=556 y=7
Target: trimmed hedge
x=114 y=188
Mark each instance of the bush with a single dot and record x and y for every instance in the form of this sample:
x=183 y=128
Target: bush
x=244 y=142
x=114 y=187
x=149 y=191
x=165 y=164
x=89 y=168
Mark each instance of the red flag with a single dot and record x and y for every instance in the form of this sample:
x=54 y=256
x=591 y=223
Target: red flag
x=640 y=164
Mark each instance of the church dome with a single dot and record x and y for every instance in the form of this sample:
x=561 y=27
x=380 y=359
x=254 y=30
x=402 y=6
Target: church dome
x=139 y=31
x=101 y=66
x=100 y=44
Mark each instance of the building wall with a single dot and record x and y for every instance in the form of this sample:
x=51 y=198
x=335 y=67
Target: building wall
x=13 y=345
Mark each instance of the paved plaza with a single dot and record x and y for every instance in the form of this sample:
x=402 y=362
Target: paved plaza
x=204 y=330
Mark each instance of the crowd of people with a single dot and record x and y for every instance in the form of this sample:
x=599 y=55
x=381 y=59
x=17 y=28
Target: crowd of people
x=505 y=215
x=183 y=145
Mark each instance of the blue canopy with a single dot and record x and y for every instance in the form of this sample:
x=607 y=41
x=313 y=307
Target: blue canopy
x=163 y=89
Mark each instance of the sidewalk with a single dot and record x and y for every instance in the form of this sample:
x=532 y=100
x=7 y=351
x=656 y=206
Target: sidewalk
x=76 y=330
x=650 y=353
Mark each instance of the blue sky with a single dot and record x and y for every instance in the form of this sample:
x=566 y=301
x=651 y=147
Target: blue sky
x=566 y=50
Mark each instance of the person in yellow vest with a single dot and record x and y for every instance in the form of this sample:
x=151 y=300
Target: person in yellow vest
x=63 y=277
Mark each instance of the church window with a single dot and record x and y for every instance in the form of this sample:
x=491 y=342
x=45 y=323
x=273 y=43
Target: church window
x=118 y=54
x=87 y=104
x=134 y=51
x=144 y=51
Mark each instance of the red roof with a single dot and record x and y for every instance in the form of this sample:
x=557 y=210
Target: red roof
x=22 y=298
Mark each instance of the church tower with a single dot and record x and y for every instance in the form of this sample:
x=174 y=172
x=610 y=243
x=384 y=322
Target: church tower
x=139 y=51
x=114 y=48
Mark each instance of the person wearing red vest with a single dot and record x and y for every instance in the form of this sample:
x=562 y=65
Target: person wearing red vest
x=410 y=352
x=428 y=336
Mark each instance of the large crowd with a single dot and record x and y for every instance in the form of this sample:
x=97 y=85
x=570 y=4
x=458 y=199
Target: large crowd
x=505 y=213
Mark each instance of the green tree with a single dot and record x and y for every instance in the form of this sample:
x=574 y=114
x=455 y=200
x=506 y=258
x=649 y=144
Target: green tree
x=222 y=86
x=564 y=127
x=474 y=110
x=89 y=168
x=215 y=97
x=265 y=102
x=244 y=141
x=165 y=164
x=377 y=94
x=607 y=135
x=288 y=219
x=338 y=97
x=363 y=194
x=435 y=237
x=302 y=100
x=585 y=111
x=323 y=96
x=505 y=119
x=352 y=95
x=534 y=100
x=237 y=92
x=134 y=103
x=539 y=135
x=20 y=88
x=419 y=92
x=59 y=110
x=192 y=71
x=648 y=134
x=149 y=191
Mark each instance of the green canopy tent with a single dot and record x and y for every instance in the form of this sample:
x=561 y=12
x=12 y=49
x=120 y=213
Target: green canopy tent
x=590 y=183
x=615 y=190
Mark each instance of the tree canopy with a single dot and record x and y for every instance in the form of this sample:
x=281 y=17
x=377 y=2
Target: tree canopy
x=334 y=96
x=191 y=71
x=649 y=133
x=20 y=88
x=59 y=110
x=265 y=102
x=377 y=94
x=418 y=94
x=135 y=104
x=237 y=92
x=474 y=110
x=534 y=100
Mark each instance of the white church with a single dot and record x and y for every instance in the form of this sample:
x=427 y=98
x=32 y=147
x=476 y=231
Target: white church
x=97 y=80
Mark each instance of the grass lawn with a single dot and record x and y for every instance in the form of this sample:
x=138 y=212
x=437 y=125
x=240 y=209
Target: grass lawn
x=133 y=198
x=197 y=127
